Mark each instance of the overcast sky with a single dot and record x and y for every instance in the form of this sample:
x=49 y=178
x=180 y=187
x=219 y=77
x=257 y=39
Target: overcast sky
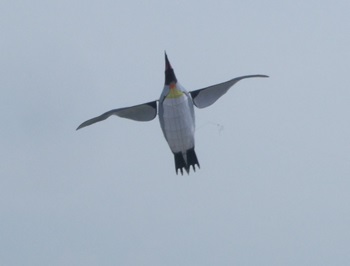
x=273 y=188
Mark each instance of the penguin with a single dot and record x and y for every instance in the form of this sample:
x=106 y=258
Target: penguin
x=175 y=109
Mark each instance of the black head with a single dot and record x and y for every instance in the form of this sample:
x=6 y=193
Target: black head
x=169 y=72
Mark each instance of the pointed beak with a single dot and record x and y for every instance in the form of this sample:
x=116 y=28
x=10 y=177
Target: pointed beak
x=167 y=63
x=169 y=72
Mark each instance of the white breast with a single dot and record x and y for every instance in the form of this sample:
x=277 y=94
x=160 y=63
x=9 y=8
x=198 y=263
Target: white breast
x=178 y=123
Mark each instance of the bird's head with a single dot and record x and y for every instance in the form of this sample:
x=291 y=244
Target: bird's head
x=170 y=77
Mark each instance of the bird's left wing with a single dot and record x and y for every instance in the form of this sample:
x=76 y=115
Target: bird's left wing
x=207 y=96
x=141 y=112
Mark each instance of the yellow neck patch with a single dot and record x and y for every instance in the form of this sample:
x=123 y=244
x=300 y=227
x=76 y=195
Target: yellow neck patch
x=174 y=92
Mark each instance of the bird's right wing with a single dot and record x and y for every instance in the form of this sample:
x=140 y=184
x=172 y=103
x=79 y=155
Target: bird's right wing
x=207 y=96
x=141 y=112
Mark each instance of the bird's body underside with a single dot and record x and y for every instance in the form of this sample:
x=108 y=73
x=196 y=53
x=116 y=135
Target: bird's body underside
x=176 y=114
x=177 y=120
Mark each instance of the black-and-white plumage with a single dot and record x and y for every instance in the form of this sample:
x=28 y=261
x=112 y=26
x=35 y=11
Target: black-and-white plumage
x=176 y=114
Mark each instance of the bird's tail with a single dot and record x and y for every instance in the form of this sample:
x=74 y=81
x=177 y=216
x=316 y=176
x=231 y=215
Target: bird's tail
x=186 y=161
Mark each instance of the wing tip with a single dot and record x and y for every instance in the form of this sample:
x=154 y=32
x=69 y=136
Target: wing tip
x=82 y=125
x=256 y=76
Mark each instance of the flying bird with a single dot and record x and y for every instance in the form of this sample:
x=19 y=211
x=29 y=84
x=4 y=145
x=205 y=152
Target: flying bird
x=175 y=109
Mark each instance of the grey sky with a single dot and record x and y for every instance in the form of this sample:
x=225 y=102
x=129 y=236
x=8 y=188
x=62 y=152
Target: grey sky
x=273 y=188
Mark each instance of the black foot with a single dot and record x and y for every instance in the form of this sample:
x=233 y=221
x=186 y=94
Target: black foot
x=192 y=159
x=181 y=164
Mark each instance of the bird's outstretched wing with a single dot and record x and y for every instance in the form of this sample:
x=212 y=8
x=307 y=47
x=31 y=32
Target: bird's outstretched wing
x=207 y=96
x=141 y=112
